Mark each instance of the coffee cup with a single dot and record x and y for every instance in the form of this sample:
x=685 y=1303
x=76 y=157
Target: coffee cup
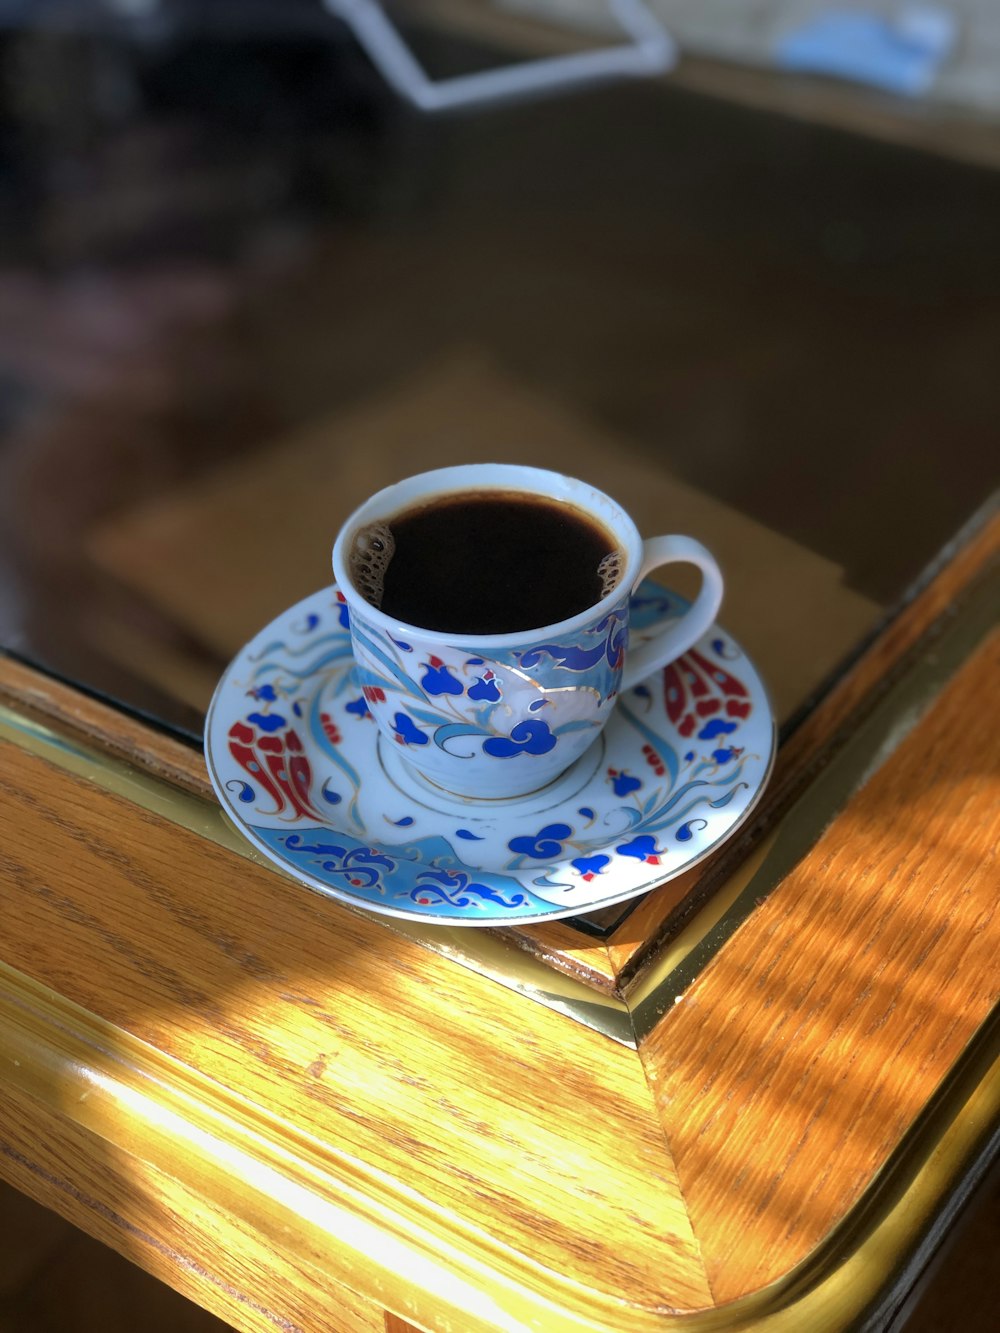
x=478 y=702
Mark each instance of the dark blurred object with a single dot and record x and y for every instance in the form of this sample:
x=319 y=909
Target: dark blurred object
x=124 y=379
x=184 y=123
x=160 y=165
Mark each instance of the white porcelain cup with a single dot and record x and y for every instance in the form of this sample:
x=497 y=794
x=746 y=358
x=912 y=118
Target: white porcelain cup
x=500 y=715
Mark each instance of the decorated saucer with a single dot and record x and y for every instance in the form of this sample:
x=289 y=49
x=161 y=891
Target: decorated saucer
x=302 y=770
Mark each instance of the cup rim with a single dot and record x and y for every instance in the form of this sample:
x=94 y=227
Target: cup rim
x=511 y=477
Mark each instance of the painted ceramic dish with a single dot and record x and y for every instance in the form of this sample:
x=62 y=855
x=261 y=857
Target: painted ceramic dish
x=301 y=769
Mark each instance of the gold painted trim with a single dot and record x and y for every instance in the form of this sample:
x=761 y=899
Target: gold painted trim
x=684 y=957
x=484 y=952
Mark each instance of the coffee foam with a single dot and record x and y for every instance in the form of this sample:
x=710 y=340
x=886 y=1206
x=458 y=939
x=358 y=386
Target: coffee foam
x=609 y=571
x=374 y=546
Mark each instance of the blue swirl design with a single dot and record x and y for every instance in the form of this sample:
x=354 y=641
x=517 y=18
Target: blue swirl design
x=361 y=866
x=579 y=658
x=370 y=644
x=296 y=843
x=678 y=807
x=589 y=659
x=528 y=737
x=567 y=655
x=427 y=873
x=545 y=845
x=280 y=646
x=247 y=793
x=687 y=831
x=457 y=889
x=724 y=800
x=325 y=659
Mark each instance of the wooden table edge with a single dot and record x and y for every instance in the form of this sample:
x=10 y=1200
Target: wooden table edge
x=58 y=1056
x=897 y=1227
x=610 y=965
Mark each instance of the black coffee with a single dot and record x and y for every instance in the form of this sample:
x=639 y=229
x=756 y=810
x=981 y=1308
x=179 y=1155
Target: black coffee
x=495 y=562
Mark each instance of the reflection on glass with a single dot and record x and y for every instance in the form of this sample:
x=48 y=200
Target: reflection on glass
x=242 y=286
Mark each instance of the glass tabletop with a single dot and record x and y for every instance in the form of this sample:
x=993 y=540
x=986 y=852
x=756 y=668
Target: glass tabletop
x=242 y=286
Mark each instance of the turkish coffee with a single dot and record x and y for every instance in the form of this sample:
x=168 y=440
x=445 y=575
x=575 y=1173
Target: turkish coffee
x=486 y=562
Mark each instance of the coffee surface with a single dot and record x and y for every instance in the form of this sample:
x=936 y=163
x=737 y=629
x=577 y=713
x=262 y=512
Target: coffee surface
x=495 y=562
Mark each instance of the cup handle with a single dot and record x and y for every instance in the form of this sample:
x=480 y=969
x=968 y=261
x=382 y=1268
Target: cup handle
x=678 y=637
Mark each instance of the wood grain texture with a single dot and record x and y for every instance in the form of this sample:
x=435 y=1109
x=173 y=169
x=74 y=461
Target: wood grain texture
x=792 y=1068
x=108 y=728
x=301 y=1077
x=654 y=920
x=155 y=1221
x=324 y=1022
x=658 y=916
x=567 y=949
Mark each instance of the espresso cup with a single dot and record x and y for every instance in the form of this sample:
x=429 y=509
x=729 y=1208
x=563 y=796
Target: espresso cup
x=498 y=715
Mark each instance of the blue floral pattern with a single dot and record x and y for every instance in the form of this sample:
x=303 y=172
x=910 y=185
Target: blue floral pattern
x=301 y=769
x=468 y=707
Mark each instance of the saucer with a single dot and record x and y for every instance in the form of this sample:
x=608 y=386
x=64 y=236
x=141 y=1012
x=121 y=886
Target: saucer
x=300 y=767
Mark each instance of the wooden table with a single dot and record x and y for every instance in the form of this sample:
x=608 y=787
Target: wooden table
x=757 y=1101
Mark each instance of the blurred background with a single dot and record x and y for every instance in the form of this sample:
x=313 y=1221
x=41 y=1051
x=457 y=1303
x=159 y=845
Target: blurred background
x=244 y=282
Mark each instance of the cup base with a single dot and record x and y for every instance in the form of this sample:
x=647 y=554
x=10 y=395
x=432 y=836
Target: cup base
x=419 y=787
